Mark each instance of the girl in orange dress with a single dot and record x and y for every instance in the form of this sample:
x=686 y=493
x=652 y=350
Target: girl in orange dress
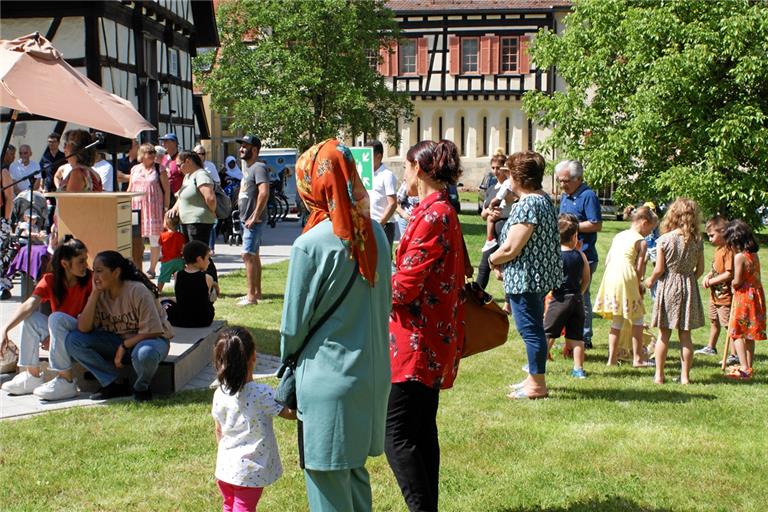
x=747 y=322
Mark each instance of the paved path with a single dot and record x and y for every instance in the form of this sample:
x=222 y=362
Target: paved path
x=276 y=247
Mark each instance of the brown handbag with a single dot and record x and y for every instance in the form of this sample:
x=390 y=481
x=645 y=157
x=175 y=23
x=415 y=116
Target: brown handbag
x=486 y=325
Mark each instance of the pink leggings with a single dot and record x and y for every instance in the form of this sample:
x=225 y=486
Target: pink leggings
x=239 y=499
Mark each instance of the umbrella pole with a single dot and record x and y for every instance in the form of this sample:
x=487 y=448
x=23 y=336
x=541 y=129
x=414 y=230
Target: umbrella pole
x=11 y=127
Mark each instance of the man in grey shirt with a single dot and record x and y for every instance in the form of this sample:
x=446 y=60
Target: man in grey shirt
x=252 y=203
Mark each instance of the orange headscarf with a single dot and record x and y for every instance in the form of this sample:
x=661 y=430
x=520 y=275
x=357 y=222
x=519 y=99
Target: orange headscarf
x=328 y=183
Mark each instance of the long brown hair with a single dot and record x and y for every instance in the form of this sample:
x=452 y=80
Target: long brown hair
x=69 y=248
x=683 y=214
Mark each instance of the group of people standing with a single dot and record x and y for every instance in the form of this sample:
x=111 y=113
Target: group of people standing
x=365 y=387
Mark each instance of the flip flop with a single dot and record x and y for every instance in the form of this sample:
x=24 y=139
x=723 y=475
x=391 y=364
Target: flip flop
x=648 y=364
x=518 y=385
x=522 y=394
x=245 y=302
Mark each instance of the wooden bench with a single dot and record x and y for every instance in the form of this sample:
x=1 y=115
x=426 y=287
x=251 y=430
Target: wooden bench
x=191 y=351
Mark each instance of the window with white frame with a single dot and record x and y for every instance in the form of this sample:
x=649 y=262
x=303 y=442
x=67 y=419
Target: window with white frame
x=407 y=57
x=508 y=55
x=470 y=48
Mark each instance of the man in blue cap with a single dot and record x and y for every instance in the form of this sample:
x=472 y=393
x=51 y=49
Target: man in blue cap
x=171 y=144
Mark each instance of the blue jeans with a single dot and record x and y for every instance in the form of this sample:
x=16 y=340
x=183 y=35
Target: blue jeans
x=96 y=351
x=528 y=312
x=35 y=328
x=588 y=304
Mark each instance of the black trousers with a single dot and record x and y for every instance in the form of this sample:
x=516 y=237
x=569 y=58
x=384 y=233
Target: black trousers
x=389 y=230
x=484 y=268
x=411 y=443
x=202 y=233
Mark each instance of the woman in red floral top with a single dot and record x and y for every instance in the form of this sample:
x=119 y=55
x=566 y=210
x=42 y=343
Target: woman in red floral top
x=426 y=329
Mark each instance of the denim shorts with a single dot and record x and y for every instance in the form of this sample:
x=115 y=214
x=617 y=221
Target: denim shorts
x=252 y=238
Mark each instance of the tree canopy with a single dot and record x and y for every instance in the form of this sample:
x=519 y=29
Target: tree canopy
x=297 y=71
x=665 y=98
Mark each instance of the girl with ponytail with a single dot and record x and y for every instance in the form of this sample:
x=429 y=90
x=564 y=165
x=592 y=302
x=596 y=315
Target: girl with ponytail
x=247 y=458
x=66 y=289
x=123 y=322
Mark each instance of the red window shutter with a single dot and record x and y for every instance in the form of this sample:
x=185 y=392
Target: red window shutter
x=393 y=59
x=454 y=55
x=485 y=56
x=384 y=61
x=523 y=63
x=421 y=56
x=495 y=55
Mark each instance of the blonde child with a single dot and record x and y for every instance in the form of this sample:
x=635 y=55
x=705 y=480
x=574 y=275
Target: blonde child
x=747 y=322
x=620 y=296
x=247 y=459
x=171 y=244
x=566 y=307
x=679 y=265
x=718 y=281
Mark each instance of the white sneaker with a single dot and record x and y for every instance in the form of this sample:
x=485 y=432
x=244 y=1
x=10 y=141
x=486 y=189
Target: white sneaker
x=57 y=389
x=489 y=244
x=22 y=384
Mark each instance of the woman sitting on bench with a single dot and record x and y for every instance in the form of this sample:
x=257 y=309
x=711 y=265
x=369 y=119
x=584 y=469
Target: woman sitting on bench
x=122 y=322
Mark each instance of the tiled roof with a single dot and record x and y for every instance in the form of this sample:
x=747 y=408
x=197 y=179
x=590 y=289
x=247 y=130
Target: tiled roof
x=474 y=5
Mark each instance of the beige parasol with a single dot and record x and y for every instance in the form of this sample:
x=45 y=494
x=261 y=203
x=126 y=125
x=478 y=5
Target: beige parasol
x=35 y=78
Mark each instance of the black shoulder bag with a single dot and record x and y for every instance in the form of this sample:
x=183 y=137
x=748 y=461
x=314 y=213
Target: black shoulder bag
x=285 y=394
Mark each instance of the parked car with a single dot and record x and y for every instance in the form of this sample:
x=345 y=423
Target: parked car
x=489 y=181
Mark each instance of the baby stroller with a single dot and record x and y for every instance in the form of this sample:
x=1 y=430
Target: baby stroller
x=230 y=227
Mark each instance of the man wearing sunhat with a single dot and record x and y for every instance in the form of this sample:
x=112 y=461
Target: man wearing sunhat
x=171 y=144
x=252 y=203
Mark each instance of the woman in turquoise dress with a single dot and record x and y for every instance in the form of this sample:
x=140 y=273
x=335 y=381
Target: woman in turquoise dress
x=343 y=373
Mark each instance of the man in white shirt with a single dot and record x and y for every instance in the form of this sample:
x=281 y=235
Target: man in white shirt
x=209 y=166
x=23 y=167
x=106 y=172
x=383 y=195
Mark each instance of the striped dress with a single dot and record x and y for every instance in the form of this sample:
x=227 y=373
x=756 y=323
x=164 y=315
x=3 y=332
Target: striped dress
x=151 y=203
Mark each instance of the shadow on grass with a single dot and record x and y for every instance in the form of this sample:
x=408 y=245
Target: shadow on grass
x=264 y=296
x=603 y=503
x=630 y=395
x=473 y=229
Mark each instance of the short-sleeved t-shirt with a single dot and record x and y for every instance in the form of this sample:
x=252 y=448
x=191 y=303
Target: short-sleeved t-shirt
x=538 y=268
x=74 y=301
x=135 y=311
x=192 y=206
x=253 y=176
x=723 y=262
x=171 y=245
x=586 y=207
x=175 y=176
x=247 y=454
x=384 y=184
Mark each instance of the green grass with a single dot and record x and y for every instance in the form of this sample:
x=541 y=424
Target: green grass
x=612 y=442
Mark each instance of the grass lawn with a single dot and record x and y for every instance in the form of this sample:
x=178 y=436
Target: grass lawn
x=611 y=442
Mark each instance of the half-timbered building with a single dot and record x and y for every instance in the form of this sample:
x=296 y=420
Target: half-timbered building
x=138 y=50
x=465 y=65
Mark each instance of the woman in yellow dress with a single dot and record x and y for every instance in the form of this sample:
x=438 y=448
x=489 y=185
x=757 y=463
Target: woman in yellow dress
x=620 y=296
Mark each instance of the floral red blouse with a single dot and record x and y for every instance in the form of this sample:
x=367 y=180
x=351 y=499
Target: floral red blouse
x=426 y=329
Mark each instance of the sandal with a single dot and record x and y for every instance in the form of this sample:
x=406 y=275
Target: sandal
x=739 y=374
x=522 y=394
x=647 y=364
x=245 y=302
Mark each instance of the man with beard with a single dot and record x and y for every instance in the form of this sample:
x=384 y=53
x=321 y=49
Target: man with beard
x=252 y=203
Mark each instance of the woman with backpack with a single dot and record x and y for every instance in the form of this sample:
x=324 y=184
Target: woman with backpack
x=149 y=178
x=196 y=203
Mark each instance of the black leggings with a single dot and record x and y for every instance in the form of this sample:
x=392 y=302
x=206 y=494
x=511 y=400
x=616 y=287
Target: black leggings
x=484 y=268
x=202 y=233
